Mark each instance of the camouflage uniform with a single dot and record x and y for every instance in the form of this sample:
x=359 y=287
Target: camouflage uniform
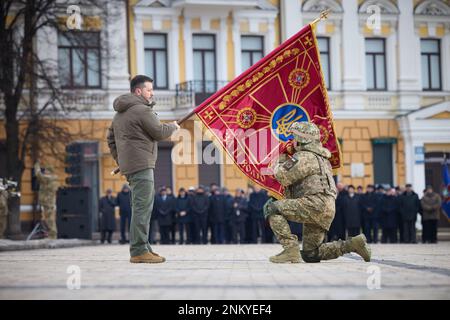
x=48 y=185
x=310 y=194
x=3 y=210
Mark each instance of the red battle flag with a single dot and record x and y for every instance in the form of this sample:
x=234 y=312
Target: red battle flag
x=250 y=117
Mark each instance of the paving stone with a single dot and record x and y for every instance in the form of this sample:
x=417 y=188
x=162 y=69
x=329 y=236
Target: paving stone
x=225 y=272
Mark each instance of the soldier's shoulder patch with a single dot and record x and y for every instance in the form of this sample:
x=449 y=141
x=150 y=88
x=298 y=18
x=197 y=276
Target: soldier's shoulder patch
x=290 y=163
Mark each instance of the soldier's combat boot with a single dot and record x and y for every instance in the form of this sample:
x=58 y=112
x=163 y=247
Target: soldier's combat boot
x=147 y=257
x=288 y=255
x=358 y=245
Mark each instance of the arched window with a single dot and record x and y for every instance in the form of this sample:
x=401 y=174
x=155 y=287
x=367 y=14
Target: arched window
x=386 y=6
x=432 y=8
x=321 y=5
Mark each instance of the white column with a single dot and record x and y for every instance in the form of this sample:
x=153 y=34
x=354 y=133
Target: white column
x=139 y=38
x=391 y=57
x=409 y=154
x=409 y=49
x=237 y=46
x=418 y=170
x=335 y=59
x=189 y=56
x=174 y=53
x=117 y=72
x=47 y=51
x=353 y=79
x=291 y=18
x=353 y=48
x=222 y=63
x=116 y=66
x=270 y=39
x=415 y=172
x=445 y=56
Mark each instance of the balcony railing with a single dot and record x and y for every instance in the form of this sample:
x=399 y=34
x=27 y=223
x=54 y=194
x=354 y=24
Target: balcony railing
x=200 y=89
x=85 y=100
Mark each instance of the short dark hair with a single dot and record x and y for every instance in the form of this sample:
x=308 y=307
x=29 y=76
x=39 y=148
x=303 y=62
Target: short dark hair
x=351 y=186
x=138 y=82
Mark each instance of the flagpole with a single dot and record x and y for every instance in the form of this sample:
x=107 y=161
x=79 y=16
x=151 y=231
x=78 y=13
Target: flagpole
x=323 y=16
x=186 y=117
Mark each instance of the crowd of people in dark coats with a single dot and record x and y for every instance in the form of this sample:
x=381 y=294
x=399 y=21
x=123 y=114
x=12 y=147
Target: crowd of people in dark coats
x=209 y=215
x=393 y=211
x=212 y=215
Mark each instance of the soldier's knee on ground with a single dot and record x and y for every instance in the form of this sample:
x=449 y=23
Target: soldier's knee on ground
x=310 y=256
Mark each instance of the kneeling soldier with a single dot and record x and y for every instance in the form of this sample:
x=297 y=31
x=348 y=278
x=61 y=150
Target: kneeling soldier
x=310 y=194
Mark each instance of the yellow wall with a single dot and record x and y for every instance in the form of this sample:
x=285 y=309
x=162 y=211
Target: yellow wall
x=437 y=147
x=356 y=147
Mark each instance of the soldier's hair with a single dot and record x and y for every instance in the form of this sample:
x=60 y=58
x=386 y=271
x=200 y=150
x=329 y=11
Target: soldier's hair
x=138 y=82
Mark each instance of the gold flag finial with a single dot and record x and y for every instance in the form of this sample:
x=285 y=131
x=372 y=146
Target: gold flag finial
x=323 y=15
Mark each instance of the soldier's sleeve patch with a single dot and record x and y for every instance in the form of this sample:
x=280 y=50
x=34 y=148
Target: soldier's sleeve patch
x=289 y=163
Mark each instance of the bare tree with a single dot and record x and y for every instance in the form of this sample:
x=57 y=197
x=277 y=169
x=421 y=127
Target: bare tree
x=31 y=98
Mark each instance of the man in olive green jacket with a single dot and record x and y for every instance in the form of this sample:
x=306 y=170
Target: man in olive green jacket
x=132 y=140
x=431 y=210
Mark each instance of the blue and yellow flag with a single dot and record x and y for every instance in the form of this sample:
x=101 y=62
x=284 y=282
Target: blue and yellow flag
x=446 y=193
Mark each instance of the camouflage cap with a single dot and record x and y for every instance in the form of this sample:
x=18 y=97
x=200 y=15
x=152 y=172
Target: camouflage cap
x=305 y=132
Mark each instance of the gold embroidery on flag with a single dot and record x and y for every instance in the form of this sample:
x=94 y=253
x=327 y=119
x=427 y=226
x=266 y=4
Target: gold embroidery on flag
x=246 y=117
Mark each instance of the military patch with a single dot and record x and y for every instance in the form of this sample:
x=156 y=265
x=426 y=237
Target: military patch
x=290 y=163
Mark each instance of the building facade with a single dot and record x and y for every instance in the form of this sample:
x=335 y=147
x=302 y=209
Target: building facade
x=386 y=64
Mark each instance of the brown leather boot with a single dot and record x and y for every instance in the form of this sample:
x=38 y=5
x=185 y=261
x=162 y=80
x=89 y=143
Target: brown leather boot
x=147 y=257
x=154 y=253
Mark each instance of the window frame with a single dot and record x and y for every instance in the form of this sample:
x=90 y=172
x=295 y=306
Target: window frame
x=251 y=52
x=389 y=143
x=328 y=53
x=428 y=55
x=374 y=55
x=202 y=51
x=155 y=85
x=85 y=48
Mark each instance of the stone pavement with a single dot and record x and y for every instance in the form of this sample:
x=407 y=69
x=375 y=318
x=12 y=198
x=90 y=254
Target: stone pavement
x=225 y=272
x=12 y=245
